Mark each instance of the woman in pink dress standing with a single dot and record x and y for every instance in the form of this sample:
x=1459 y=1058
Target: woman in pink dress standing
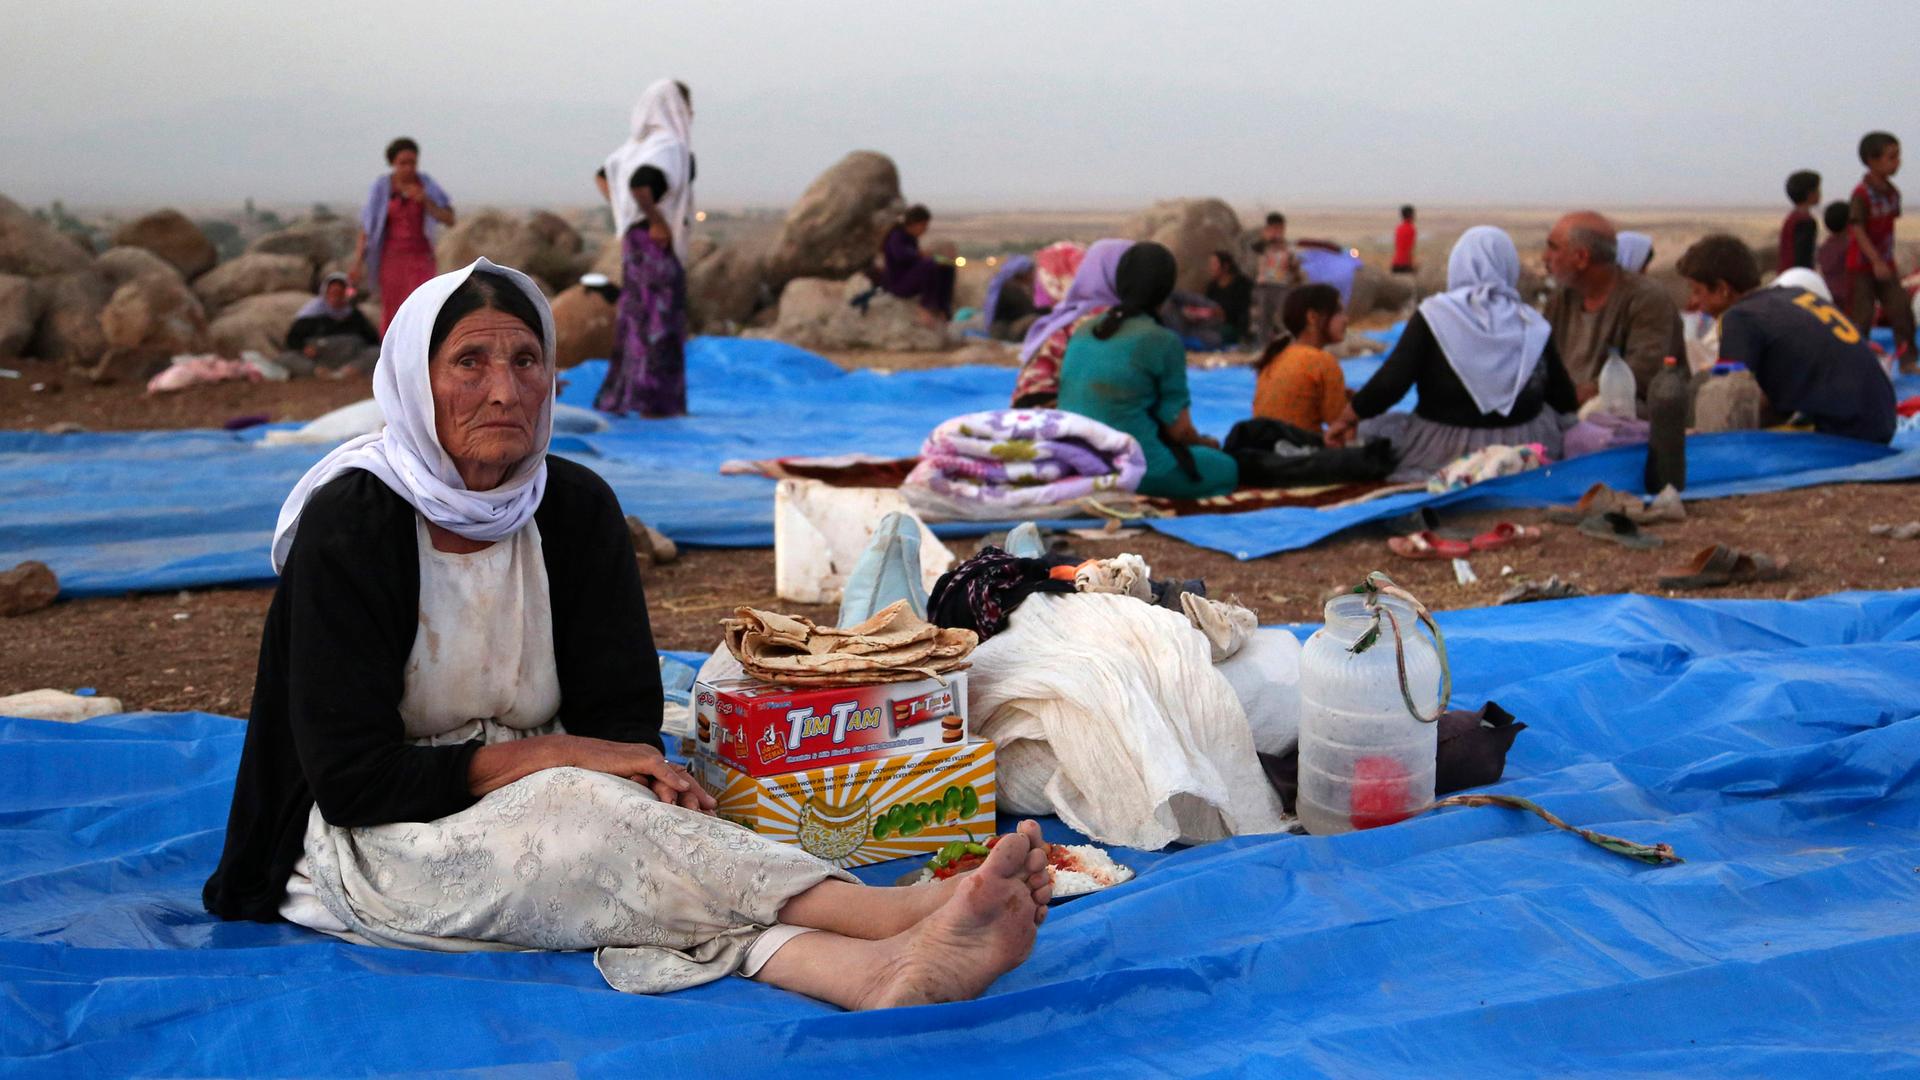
x=403 y=209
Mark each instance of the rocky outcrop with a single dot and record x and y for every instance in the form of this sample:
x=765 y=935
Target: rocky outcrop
x=1374 y=290
x=582 y=326
x=542 y=246
x=322 y=243
x=69 y=326
x=835 y=228
x=172 y=236
x=253 y=274
x=19 y=312
x=32 y=248
x=124 y=264
x=815 y=314
x=148 y=320
x=727 y=288
x=1192 y=229
x=257 y=322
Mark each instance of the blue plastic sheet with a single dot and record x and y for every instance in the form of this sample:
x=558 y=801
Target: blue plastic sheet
x=1776 y=745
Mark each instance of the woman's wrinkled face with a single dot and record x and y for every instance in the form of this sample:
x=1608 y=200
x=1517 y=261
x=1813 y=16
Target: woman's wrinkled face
x=406 y=166
x=489 y=382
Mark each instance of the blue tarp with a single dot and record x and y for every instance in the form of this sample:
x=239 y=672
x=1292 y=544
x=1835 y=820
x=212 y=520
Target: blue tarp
x=185 y=509
x=1776 y=745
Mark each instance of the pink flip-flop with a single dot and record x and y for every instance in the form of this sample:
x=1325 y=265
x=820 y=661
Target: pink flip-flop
x=1428 y=545
x=1507 y=534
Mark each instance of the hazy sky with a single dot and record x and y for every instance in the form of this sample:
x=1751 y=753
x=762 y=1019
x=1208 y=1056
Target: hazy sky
x=1016 y=104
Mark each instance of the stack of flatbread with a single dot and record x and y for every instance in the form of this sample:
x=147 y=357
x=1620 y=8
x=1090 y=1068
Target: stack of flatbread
x=894 y=646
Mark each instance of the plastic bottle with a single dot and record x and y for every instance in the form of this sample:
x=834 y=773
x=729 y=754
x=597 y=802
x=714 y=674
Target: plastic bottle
x=1617 y=386
x=1667 y=399
x=1365 y=761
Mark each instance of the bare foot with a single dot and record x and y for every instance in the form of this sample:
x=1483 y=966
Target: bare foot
x=983 y=931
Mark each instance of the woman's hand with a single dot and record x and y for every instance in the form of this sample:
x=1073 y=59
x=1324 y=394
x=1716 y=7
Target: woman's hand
x=1341 y=431
x=661 y=234
x=642 y=764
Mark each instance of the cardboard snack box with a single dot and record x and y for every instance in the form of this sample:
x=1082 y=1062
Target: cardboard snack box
x=866 y=811
x=763 y=729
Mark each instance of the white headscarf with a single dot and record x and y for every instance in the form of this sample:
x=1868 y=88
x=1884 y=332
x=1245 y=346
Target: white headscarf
x=1632 y=251
x=1491 y=338
x=407 y=455
x=662 y=125
x=1802 y=278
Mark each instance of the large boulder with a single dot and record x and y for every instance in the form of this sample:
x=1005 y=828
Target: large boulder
x=835 y=229
x=19 y=311
x=69 y=327
x=126 y=263
x=321 y=243
x=541 y=246
x=253 y=274
x=1192 y=229
x=815 y=314
x=582 y=326
x=555 y=234
x=258 y=323
x=147 y=320
x=172 y=236
x=727 y=287
x=32 y=248
x=1377 y=291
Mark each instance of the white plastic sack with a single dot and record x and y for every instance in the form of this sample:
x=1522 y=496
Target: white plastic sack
x=57 y=705
x=820 y=530
x=1110 y=713
x=1265 y=675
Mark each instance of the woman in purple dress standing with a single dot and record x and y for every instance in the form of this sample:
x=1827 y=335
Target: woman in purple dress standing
x=648 y=180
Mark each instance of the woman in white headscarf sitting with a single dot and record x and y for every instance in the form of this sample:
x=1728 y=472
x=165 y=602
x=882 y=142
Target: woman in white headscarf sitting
x=454 y=743
x=1483 y=361
x=648 y=181
x=330 y=334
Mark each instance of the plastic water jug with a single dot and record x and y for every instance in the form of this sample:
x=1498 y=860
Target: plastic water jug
x=1365 y=759
x=1617 y=386
x=1667 y=399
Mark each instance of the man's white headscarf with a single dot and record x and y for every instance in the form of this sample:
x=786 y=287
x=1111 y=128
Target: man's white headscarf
x=1491 y=338
x=407 y=455
x=1802 y=278
x=662 y=138
x=1633 y=251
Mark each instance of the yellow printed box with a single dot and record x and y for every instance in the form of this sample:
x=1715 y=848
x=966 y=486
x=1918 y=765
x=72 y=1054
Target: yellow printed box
x=866 y=811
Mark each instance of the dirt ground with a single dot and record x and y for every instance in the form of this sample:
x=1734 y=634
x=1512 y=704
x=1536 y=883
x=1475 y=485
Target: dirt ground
x=196 y=650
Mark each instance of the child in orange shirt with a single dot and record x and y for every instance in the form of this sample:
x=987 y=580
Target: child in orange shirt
x=1299 y=382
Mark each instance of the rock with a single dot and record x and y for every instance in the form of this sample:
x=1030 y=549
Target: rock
x=124 y=264
x=548 y=251
x=321 y=243
x=814 y=314
x=258 y=322
x=650 y=545
x=172 y=236
x=1192 y=229
x=727 y=287
x=608 y=262
x=50 y=704
x=32 y=248
x=582 y=326
x=253 y=274
x=69 y=327
x=151 y=318
x=27 y=587
x=1377 y=291
x=19 y=312
x=835 y=228
x=554 y=232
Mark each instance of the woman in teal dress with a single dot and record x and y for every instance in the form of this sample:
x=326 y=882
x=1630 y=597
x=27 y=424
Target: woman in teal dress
x=1130 y=373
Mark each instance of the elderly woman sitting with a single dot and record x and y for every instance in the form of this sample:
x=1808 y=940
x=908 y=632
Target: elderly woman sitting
x=454 y=742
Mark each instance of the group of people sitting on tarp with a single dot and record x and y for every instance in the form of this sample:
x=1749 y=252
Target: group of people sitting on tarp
x=1490 y=370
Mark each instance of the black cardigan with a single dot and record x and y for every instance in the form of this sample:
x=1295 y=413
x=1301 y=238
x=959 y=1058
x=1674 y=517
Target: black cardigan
x=326 y=724
x=1418 y=360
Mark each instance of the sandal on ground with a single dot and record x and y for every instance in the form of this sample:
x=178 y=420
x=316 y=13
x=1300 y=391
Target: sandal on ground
x=1506 y=534
x=1428 y=546
x=1665 y=506
x=1527 y=591
x=1712 y=567
x=1599 y=499
x=1620 y=529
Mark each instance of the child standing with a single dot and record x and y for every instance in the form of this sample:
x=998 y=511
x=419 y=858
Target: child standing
x=1831 y=259
x=1404 y=236
x=1298 y=381
x=1872 y=275
x=1798 y=232
x=1276 y=272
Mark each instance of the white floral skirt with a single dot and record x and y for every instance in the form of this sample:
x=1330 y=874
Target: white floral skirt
x=566 y=859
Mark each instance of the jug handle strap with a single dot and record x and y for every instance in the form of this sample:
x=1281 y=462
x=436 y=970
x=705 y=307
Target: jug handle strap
x=1373 y=588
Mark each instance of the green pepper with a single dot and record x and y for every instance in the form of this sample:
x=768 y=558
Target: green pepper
x=969 y=801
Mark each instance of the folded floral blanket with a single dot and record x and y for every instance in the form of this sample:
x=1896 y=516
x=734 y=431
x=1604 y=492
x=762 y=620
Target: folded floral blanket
x=1013 y=462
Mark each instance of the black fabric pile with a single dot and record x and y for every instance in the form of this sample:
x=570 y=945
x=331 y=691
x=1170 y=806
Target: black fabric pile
x=1472 y=753
x=980 y=594
x=1275 y=454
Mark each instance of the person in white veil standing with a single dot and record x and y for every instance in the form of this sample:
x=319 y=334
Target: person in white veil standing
x=648 y=181
x=1484 y=364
